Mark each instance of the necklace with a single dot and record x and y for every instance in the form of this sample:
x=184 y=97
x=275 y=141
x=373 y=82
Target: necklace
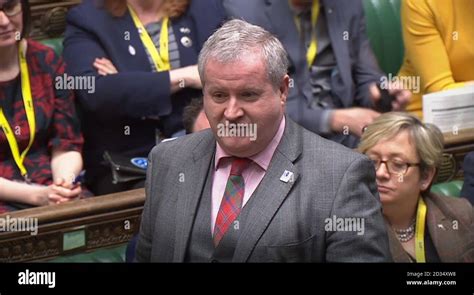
x=405 y=235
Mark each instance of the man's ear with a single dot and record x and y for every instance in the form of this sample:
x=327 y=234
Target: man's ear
x=427 y=178
x=284 y=88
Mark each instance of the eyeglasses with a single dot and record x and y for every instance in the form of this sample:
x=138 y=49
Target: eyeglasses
x=11 y=8
x=393 y=166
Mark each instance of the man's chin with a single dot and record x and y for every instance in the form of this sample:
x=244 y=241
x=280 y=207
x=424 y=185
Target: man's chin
x=238 y=146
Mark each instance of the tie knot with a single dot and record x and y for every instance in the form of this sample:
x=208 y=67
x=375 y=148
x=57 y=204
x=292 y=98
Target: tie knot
x=239 y=165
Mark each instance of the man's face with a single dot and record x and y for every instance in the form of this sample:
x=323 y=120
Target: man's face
x=239 y=93
x=10 y=26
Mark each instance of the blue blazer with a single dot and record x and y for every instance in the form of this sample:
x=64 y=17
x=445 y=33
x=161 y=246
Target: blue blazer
x=116 y=117
x=468 y=186
x=356 y=63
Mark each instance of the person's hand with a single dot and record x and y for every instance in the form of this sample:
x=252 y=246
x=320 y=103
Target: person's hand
x=187 y=77
x=54 y=194
x=402 y=96
x=352 y=120
x=62 y=182
x=104 y=66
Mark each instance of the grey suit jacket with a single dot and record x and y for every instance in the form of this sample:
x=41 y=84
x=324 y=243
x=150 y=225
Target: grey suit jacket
x=287 y=221
x=357 y=65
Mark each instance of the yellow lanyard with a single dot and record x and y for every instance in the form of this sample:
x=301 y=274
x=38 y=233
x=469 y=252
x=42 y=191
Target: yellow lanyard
x=30 y=114
x=313 y=45
x=161 y=60
x=420 y=232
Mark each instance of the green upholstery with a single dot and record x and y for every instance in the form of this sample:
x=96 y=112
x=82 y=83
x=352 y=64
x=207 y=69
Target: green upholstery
x=114 y=254
x=56 y=44
x=452 y=188
x=385 y=33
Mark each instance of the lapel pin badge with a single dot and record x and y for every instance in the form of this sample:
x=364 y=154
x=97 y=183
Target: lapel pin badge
x=184 y=30
x=131 y=50
x=186 y=41
x=287 y=176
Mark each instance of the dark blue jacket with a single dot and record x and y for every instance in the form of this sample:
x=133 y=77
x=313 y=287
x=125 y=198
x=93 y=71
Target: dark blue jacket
x=116 y=117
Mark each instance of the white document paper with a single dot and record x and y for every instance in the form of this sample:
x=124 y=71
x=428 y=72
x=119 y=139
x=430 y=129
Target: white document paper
x=450 y=110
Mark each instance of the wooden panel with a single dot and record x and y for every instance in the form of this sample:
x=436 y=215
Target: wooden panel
x=100 y=221
x=458 y=145
x=48 y=18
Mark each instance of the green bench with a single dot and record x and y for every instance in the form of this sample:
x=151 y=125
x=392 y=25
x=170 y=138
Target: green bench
x=113 y=254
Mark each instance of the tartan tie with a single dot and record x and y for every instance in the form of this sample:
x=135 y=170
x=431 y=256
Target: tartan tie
x=231 y=203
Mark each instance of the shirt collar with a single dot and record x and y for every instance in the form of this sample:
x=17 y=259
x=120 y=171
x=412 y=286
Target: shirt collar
x=263 y=158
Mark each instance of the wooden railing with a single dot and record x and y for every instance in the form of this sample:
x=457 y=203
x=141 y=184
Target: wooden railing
x=458 y=145
x=77 y=226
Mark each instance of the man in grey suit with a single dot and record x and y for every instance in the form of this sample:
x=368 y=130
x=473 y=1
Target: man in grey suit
x=257 y=187
x=333 y=91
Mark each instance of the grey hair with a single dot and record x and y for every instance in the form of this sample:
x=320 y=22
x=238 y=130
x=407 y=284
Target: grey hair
x=236 y=39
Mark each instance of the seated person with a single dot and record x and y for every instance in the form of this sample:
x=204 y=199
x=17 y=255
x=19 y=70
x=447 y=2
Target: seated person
x=40 y=140
x=332 y=67
x=406 y=154
x=142 y=56
x=468 y=186
x=194 y=118
x=438 y=38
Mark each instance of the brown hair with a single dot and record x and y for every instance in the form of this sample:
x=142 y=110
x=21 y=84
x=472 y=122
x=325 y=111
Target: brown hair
x=191 y=112
x=172 y=8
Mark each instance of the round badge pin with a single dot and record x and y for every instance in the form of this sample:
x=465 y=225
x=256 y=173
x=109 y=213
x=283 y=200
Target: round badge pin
x=140 y=162
x=186 y=41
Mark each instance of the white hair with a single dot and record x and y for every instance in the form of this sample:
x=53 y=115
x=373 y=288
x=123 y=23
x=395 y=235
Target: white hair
x=237 y=39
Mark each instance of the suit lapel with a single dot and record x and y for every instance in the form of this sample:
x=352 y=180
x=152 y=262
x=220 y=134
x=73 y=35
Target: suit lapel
x=271 y=192
x=190 y=192
x=184 y=33
x=186 y=38
x=130 y=50
x=442 y=234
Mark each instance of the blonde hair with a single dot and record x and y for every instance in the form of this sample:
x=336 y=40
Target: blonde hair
x=427 y=137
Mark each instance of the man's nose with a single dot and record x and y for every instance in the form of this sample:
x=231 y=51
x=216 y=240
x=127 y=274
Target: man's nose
x=233 y=110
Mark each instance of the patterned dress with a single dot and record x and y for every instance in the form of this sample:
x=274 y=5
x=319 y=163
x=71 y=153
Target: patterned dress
x=57 y=125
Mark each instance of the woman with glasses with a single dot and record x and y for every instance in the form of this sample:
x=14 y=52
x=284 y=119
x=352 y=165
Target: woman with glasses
x=40 y=139
x=422 y=227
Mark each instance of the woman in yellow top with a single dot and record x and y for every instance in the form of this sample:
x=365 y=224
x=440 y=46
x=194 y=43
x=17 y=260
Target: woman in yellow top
x=438 y=37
